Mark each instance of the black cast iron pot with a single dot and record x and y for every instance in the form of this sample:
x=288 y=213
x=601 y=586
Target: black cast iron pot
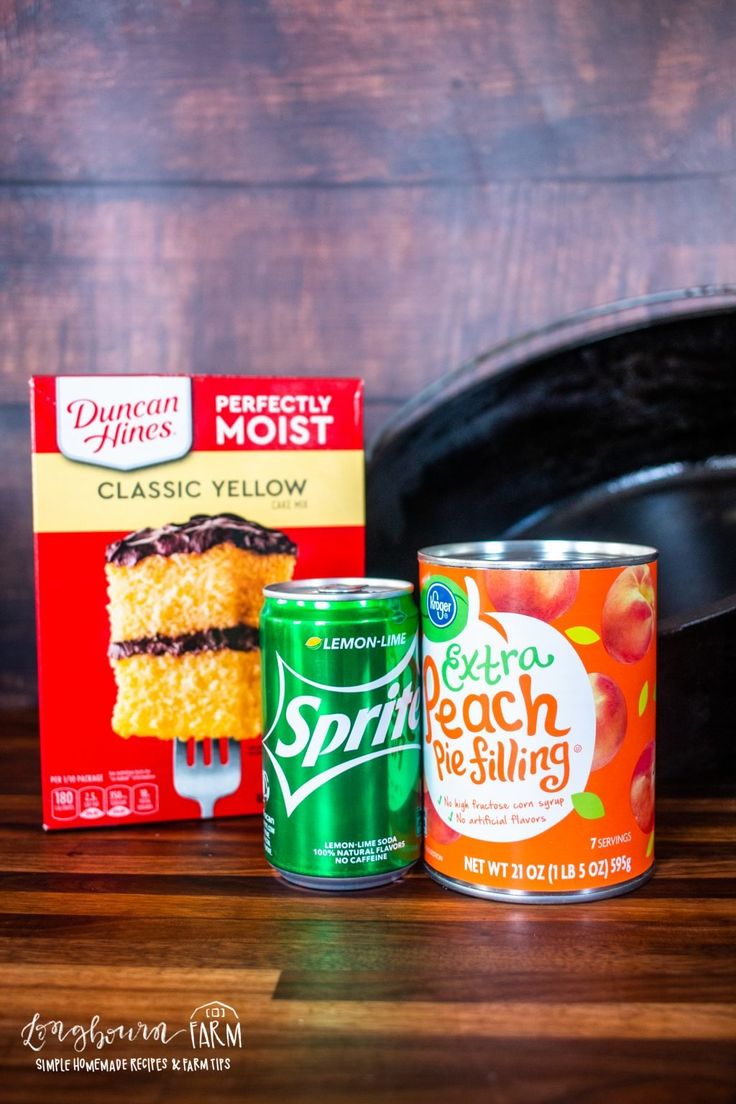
x=618 y=424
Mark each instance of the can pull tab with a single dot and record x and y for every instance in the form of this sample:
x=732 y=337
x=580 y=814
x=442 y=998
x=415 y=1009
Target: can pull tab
x=344 y=588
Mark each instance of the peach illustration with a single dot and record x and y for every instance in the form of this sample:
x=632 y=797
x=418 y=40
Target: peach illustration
x=545 y=595
x=435 y=826
x=627 y=622
x=642 y=789
x=610 y=719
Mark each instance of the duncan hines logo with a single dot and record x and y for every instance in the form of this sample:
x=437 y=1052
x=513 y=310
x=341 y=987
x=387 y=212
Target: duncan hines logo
x=320 y=731
x=124 y=423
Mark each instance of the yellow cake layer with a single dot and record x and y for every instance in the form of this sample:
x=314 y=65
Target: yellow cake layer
x=213 y=694
x=191 y=591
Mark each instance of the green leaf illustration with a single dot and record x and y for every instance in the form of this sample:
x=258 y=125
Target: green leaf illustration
x=650 y=845
x=581 y=634
x=588 y=805
x=643 y=698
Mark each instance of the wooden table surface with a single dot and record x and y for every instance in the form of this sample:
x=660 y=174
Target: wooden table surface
x=406 y=993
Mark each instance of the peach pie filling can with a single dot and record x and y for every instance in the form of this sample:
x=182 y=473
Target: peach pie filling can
x=539 y=677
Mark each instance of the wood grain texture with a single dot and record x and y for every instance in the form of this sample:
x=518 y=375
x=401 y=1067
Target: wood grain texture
x=335 y=91
x=327 y=187
x=405 y=993
x=399 y=285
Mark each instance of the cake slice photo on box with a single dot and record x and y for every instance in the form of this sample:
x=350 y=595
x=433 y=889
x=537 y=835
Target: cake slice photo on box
x=184 y=607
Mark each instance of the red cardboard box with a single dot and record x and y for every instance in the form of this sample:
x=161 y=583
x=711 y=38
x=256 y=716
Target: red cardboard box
x=162 y=504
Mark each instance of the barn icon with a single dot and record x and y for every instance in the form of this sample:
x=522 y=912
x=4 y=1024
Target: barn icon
x=214 y=1025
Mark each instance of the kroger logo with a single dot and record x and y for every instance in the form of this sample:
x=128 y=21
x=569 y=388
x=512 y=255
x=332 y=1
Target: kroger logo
x=441 y=605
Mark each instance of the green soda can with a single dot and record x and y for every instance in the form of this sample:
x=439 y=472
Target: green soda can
x=342 y=731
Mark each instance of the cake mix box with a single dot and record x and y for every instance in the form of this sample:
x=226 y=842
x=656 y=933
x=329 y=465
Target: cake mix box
x=162 y=507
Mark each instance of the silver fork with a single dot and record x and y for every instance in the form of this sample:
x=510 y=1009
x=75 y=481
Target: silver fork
x=206 y=784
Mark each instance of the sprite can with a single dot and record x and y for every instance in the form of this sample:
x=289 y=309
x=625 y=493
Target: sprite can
x=342 y=731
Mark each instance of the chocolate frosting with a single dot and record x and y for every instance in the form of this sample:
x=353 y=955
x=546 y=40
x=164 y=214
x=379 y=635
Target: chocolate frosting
x=238 y=638
x=199 y=534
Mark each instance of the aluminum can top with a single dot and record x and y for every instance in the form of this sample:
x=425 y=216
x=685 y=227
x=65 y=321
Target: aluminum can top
x=539 y=555
x=339 y=590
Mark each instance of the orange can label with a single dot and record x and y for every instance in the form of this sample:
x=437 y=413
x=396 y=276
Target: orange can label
x=539 y=725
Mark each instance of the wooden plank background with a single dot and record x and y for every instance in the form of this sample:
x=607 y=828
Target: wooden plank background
x=332 y=186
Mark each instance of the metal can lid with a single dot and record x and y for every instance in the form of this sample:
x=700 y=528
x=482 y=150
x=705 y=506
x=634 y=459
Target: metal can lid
x=539 y=555
x=339 y=589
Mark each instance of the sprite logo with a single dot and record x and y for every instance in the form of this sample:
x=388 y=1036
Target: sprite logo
x=314 y=642
x=321 y=731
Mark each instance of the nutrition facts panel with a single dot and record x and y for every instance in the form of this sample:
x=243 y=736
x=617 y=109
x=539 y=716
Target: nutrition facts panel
x=92 y=802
